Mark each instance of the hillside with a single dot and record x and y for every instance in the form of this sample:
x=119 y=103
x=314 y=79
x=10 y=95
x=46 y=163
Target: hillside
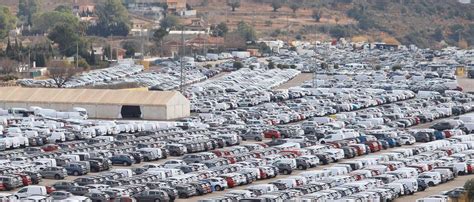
x=424 y=23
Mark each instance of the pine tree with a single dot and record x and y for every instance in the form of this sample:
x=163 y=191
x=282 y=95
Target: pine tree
x=9 y=50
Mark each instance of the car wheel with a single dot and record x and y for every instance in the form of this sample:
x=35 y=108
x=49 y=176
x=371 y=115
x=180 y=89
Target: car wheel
x=75 y=173
x=301 y=167
x=218 y=188
x=258 y=139
x=285 y=172
x=431 y=184
x=407 y=143
x=125 y=163
x=57 y=177
x=146 y=159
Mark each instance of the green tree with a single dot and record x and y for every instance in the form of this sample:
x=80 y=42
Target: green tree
x=469 y=187
x=131 y=47
x=220 y=30
x=271 y=65
x=233 y=4
x=7 y=21
x=66 y=37
x=396 y=67
x=159 y=34
x=316 y=15
x=169 y=21
x=295 y=5
x=63 y=9
x=44 y=22
x=237 y=65
x=276 y=4
x=246 y=31
x=113 y=19
x=26 y=10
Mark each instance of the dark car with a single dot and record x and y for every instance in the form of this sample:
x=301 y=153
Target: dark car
x=302 y=164
x=185 y=191
x=98 y=197
x=106 y=163
x=442 y=126
x=122 y=159
x=202 y=187
x=349 y=152
x=153 y=196
x=422 y=185
x=324 y=158
x=79 y=190
x=137 y=156
x=284 y=168
x=64 y=185
x=172 y=193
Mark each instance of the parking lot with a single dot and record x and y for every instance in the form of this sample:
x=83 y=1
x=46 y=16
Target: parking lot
x=257 y=132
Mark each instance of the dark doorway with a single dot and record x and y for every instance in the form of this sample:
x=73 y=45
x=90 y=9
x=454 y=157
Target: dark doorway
x=131 y=112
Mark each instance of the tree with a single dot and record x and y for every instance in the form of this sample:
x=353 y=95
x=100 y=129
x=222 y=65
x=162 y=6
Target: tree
x=66 y=38
x=44 y=22
x=8 y=66
x=271 y=65
x=131 y=47
x=237 y=65
x=295 y=5
x=233 y=4
x=26 y=10
x=316 y=15
x=220 y=30
x=169 y=21
x=7 y=21
x=246 y=31
x=159 y=34
x=469 y=187
x=60 y=72
x=396 y=67
x=276 y=4
x=63 y=9
x=113 y=19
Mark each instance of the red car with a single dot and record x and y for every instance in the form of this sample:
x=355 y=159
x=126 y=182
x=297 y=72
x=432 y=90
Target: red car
x=2 y=187
x=25 y=179
x=50 y=147
x=274 y=134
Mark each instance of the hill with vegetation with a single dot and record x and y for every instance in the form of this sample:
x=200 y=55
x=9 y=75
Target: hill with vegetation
x=426 y=23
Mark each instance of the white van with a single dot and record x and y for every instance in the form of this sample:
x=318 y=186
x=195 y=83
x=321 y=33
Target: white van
x=261 y=189
x=125 y=172
x=31 y=191
x=431 y=178
x=411 y=183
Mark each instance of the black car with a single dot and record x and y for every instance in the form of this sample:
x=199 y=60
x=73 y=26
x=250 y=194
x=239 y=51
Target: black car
x=349 y=152
x=172 y=193
x=137 y=156
x=422 y=185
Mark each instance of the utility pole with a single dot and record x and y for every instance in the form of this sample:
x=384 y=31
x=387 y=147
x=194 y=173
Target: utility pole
x=77 y=55
x=314 y=73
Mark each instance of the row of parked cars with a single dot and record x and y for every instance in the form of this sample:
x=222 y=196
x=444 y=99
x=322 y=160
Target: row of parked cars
x=381 y=177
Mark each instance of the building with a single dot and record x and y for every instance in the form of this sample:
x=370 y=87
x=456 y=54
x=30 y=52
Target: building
x=176 y=6
x=101 y=104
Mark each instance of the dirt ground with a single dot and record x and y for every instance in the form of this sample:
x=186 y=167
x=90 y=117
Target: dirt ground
x=297 y=81
x=466 y=83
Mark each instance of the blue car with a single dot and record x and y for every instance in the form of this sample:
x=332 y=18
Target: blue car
x=122 y=159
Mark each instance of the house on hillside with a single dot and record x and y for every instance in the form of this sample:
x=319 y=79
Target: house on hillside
x=176 y=6
x=140 y=27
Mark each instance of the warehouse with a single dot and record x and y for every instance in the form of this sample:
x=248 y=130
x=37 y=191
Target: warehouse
x=101 y=104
